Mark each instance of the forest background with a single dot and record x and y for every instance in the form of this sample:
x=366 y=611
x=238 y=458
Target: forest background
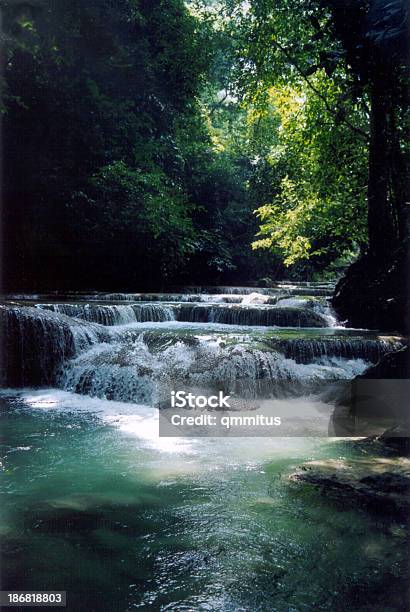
x=152 y=143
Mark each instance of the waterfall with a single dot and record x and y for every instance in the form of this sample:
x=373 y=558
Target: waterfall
x=113 y=314
x=166 y=297
x=278 y=288
x=307 y=350
x=251 y=315
x=136 y=348
x=34 y=346
x=236 y=314
x=135 y=372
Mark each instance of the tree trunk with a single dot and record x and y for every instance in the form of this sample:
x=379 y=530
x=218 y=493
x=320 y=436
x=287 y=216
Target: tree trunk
x=382 y=234
x=400 y=183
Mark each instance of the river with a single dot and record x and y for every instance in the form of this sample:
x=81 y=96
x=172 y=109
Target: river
x=94 y=502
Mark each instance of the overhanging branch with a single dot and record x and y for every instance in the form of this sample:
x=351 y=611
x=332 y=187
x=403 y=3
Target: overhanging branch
x=350 y=125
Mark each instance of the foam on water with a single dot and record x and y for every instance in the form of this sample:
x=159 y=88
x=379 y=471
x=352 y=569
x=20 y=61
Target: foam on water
x=140 y=422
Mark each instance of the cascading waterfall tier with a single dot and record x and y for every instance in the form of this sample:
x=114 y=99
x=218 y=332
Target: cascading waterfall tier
x=164 y=297
x=307 y=350
x=134 y=372
x=250 y=341
x=284 y=288
x=35 y=344
x=115 y=314
x=232 y=314
x=251 y=315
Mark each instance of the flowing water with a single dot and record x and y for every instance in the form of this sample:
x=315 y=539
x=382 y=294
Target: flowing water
x=94 y=502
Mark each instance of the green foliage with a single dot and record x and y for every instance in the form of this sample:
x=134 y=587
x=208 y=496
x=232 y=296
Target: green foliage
x=142 y=135
x=291 y=109
x=100 y=121
x=338 y=158
x=125 y=166
x=319 y=207
x=121 y=195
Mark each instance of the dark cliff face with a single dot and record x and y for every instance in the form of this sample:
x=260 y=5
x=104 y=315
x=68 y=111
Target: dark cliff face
x=376 y=402
x=374 y=294
x=393 y=365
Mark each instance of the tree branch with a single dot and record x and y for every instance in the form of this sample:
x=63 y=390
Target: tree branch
x=218 y=104
x=350 y=125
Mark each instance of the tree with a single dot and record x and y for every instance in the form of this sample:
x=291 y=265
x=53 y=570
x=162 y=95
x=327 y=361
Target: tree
x=352 y=58
x=317 y=211
x=95 y=92
x=377 y=51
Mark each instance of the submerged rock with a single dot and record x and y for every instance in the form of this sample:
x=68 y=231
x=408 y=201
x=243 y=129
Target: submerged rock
x=380 y=485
